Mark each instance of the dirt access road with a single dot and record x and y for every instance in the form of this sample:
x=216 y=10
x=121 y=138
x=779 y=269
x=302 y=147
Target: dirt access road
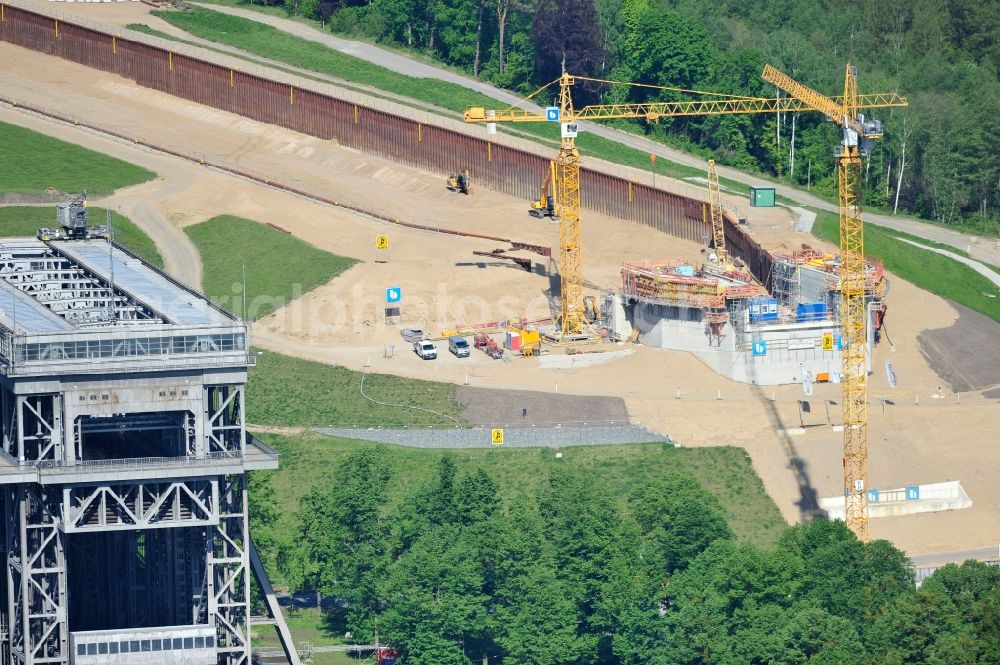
x=914 y=441
x=983 y=251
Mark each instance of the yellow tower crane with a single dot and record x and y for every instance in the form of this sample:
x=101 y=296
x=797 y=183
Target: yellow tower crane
x=858 y=135
x=572 y=317
x=715 y=203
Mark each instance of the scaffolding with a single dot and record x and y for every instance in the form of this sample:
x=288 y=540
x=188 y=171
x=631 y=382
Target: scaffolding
x=718 y=292
x=790 y=270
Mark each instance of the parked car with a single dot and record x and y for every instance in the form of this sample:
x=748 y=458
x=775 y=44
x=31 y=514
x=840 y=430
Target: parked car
x=412 y=334
x=458 y=346
x=425 y=349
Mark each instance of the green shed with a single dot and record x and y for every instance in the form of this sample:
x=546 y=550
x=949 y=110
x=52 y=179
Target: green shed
x=762 y=197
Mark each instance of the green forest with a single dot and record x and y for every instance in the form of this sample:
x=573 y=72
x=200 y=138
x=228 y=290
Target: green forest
x=938 y=159
x=458 y=574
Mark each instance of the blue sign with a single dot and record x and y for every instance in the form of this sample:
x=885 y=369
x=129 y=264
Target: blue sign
x=552 y=113
x=912 y=492
x=840 y=342
x=760 y=348
x=393 y=294
x=872 y=496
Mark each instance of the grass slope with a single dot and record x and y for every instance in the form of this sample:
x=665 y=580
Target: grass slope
x=279 y=266
x=310 y=459
x=272 y=43
x=292 y=392
x=929 y=271
x=33 y=162
x=25 y=220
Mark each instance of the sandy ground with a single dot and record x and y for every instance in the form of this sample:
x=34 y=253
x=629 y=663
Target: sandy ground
x=918 y=439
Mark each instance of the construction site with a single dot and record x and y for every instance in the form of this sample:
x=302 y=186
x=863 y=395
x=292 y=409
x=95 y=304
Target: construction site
x=731 y=323
x=717 y=322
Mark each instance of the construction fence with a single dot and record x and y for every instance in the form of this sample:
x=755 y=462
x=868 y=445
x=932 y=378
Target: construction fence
x=493 y=165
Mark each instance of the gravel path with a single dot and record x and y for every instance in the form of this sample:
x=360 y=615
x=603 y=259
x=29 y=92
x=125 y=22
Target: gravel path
x=486 y=407
x=140 y=204
x=528 y=437
x=967 y=354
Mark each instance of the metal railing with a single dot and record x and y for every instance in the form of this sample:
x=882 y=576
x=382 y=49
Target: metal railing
x=51 y=466
x=253 y=448
x=148 y=364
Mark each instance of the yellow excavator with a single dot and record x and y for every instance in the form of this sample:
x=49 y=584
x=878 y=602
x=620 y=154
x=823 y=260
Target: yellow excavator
x=546 y=205
x=460 y=182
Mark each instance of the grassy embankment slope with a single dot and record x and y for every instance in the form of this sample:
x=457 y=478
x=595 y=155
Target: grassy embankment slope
x=278 y=266
x=33 y=162
x=932 y=272
x=310 y=459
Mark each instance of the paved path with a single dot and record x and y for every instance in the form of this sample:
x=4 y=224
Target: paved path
x=525 y=437
x=983 y=270
x=986 y=251
x=925 y=565
x=985 y=553
x=139 y=204
x=805 y=221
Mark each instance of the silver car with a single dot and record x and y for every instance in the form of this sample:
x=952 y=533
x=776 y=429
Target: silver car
x=412 y=334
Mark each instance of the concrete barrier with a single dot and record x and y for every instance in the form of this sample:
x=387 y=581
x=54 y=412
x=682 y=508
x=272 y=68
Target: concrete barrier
x=930 y=498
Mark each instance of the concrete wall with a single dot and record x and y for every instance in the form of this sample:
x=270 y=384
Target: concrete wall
x=790 y=347
x=675 y=328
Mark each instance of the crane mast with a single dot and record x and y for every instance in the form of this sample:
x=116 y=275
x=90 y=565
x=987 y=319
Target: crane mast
x=853 y=319
x=715 y=203
x=567 y=186
x=857 y=137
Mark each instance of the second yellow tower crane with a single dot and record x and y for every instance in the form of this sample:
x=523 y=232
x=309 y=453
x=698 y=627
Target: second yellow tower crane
x=858 y=134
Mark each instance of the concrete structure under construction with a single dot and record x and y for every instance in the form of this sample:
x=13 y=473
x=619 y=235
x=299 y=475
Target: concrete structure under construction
x=729 y=321
x=124 y=460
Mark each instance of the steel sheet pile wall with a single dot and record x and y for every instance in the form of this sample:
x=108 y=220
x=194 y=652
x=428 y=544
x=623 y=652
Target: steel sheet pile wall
x=502 y=168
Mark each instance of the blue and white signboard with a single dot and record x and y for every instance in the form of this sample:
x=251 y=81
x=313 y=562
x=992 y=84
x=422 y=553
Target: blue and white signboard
x=760 y=348
x=872 y=496
x=393 y=294
x=912 y=492
x=552 y=113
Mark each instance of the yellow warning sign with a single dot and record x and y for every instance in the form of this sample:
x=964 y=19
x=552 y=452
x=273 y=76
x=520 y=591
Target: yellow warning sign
x=828 y=341
x=381 y=242
x=498 y=437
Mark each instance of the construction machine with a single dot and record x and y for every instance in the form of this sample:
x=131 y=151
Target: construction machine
x=546 y=205
x=858 y=135
x=571 y=323
x=460 y=182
